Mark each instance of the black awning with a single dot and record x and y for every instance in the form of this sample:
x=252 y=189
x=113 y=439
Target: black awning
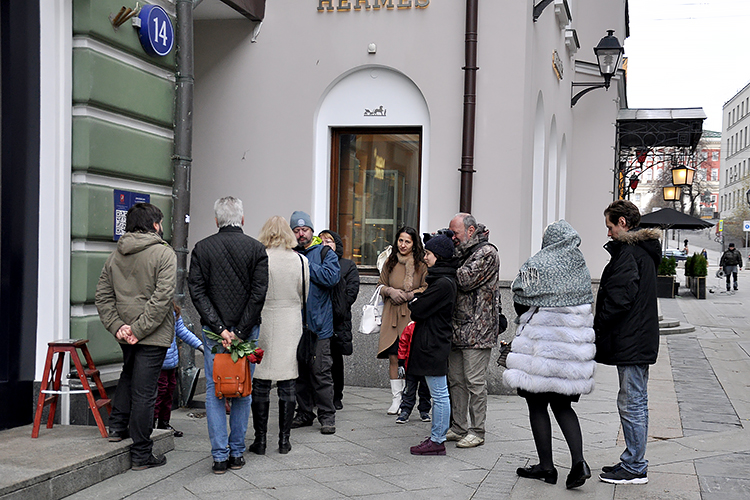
x=650 y=128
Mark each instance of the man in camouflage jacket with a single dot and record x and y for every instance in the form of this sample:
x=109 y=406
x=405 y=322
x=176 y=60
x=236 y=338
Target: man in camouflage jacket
x=475 y=329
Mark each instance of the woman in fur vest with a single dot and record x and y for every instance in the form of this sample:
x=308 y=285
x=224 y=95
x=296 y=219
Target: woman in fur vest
x=403 y=275
x=552 y=357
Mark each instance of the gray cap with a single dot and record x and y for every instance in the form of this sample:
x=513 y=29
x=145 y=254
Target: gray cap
x=299 y=219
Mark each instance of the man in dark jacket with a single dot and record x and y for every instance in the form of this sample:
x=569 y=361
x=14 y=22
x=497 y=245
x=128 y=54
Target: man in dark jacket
x=730 y=261
x=343 y=296
x=228 y=281
x=627 y=330
x=315 y=382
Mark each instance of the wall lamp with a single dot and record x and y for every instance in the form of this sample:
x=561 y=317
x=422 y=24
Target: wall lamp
x=608 y=53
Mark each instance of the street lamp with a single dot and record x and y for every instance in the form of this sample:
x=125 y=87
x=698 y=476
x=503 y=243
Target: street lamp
x=671 y=193
x=682 y=175
x=608 y=54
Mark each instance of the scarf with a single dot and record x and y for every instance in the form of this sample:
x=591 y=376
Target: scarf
x=557 y=275
x=408 y=262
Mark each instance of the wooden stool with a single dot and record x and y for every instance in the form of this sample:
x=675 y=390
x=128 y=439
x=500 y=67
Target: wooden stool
x=52 y=377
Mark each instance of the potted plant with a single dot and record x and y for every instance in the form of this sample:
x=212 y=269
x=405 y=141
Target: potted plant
x=698 y=275
x=665 y=278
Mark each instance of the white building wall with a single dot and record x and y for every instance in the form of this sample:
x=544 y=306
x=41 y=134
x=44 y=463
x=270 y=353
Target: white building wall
x=256 y=132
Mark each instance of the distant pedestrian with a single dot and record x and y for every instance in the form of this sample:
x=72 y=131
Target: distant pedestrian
x=432 y=311
x=414 y=384
x=228 y=280
x=134 y=300
x=685 y=249
x=552 y=358
x=168 y=375
x=343 y=296
x=627 y=330
x=731 y=260
x=704 y=253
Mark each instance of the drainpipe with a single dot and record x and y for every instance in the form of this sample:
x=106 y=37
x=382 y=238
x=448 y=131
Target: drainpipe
x=183 y=143
x=182 y=160
x=470 y=105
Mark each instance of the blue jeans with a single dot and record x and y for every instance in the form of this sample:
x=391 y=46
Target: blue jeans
x=223 y=446
x=441 y=406
x=632 y=403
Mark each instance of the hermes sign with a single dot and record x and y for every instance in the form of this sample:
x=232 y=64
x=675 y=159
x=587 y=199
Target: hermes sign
x=347 y=5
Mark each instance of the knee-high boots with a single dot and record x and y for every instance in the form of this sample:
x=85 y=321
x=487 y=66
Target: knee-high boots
x=286 y=415
x=260 y=424
x=397 y=389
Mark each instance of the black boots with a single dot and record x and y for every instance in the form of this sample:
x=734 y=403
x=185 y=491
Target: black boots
x=260 y=424
x=286 y=415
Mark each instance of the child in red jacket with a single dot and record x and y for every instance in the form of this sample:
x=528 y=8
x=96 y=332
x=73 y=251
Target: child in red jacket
x=414 y=384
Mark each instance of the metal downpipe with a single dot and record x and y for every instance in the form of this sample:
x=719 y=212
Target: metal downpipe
x=182 y=160
x=470 y=104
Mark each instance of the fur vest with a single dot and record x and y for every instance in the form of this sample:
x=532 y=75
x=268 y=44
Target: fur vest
x=553 y=351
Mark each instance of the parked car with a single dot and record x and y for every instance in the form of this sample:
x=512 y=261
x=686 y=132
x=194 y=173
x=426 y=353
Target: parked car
x=677 y=254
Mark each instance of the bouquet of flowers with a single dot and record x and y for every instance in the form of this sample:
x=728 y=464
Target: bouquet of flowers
x=238 y=348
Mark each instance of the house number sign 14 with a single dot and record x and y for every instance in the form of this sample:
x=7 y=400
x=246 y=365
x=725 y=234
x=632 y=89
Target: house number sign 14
x=157 y=33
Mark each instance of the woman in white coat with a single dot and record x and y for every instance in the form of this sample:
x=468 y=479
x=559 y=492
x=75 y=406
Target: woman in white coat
x=280 y=331
x=551 y=362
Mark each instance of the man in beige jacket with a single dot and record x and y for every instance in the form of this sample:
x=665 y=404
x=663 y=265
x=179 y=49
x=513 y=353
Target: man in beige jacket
x=134 y=299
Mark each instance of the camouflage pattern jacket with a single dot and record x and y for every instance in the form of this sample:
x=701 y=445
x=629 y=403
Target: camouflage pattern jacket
x=475 y=317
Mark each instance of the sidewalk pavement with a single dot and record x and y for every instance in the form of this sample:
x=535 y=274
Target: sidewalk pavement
x=699 y=446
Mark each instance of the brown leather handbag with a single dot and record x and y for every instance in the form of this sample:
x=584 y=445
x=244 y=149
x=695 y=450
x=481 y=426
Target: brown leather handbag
x=231 y=380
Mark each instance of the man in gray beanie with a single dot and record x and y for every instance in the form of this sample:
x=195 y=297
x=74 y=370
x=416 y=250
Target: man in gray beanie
x=315 y=382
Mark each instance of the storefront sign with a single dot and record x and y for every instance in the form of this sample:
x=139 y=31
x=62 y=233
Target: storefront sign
x=123 y=201
x=156 y=33
x=347 y=5
x=557 y=65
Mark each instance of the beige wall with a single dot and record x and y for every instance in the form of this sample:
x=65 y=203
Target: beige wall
x=256 y=106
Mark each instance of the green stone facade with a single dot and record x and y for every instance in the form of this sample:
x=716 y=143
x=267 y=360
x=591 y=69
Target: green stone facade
x=123 y=112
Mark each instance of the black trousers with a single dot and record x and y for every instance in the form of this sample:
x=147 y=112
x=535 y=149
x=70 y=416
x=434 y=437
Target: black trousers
x=409 y=397
x=315 y=385
x=135 y=396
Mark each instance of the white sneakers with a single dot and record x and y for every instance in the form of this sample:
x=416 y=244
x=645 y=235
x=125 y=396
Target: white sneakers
x=470 y=441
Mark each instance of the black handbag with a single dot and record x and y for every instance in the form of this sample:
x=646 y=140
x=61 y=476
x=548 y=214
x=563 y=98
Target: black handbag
x=306 y=346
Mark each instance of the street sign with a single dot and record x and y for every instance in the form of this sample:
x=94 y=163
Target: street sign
x=156 y=33
x=123 y=201
x=746 y=225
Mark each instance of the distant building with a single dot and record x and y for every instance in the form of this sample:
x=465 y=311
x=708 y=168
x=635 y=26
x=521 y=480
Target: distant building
x=735 y=152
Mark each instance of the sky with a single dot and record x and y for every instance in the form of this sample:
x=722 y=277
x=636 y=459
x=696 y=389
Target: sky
x=688 y=53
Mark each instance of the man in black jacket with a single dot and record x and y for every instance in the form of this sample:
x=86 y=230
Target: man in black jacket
x=627 y=330
x=730 y=260
x=228 y=281
x=343 y=296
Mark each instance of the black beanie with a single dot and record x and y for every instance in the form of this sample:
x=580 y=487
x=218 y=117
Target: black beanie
x=441 y=246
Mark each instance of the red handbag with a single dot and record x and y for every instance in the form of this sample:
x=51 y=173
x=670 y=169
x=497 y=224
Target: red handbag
x=231 y=380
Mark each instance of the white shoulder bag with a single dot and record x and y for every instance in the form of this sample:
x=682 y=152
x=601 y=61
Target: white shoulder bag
x=372 y=313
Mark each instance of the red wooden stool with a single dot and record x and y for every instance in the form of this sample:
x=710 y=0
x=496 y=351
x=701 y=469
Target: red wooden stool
x=52 y=377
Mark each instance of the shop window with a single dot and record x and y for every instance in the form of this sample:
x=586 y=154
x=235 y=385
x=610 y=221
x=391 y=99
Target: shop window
x=374 y=188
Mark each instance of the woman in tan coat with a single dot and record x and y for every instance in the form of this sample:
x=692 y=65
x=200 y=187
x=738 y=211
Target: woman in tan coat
x=403 y=275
